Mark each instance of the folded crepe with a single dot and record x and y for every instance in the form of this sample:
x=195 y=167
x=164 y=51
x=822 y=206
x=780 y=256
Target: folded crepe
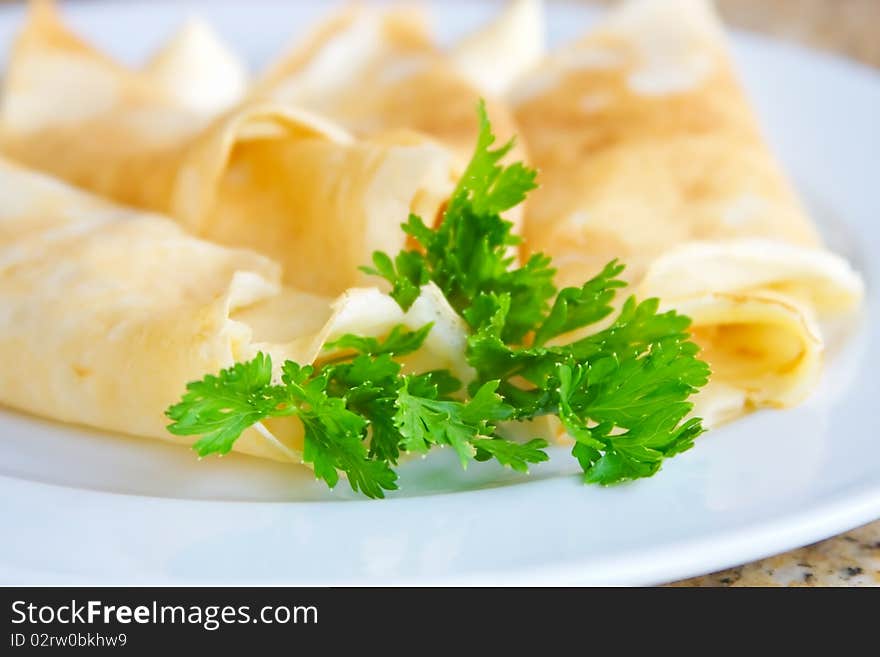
x=649 y=152
x=496 y=55
x=378 y=71
x=108 y=312
x=284 y=182
x=198 y=70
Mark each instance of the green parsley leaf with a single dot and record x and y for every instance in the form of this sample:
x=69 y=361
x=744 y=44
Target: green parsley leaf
x=334 y=435
x=486 y=187
x=406 y=273
x=626 y=415
x=575 y=307
x=369 y=386
x=220 y=408
x=424 y=422
x=516 y=456
x=398 y=343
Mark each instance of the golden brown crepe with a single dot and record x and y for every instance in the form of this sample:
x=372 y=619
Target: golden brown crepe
x=320 y=205
x=282 y=181
x=108 y=312
x=377 y=71
x=649 y=152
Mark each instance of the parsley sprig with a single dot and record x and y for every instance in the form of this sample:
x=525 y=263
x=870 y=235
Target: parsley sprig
x=621 y=392
x=359 y=412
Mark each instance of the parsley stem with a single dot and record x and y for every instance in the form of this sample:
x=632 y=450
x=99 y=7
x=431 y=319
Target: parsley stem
x=265 y=433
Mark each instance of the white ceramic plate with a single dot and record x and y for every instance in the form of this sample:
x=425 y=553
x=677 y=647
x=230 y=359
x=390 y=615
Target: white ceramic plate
x=81 y=507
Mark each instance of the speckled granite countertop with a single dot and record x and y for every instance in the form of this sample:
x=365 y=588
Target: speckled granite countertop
x=851 y=28
x=851 y=559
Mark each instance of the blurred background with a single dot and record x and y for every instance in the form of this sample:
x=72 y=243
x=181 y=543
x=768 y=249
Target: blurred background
x=851 y=27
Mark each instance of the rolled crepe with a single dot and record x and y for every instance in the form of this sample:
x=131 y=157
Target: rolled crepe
x=106 y=313
x=281 y=181
x=377 y=71
x=649 y=152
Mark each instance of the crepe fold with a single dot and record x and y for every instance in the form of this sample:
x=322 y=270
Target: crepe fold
x=282 y=181
x=377 y=71
x=650 y=152
x=496 y=55
x=106 y=313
